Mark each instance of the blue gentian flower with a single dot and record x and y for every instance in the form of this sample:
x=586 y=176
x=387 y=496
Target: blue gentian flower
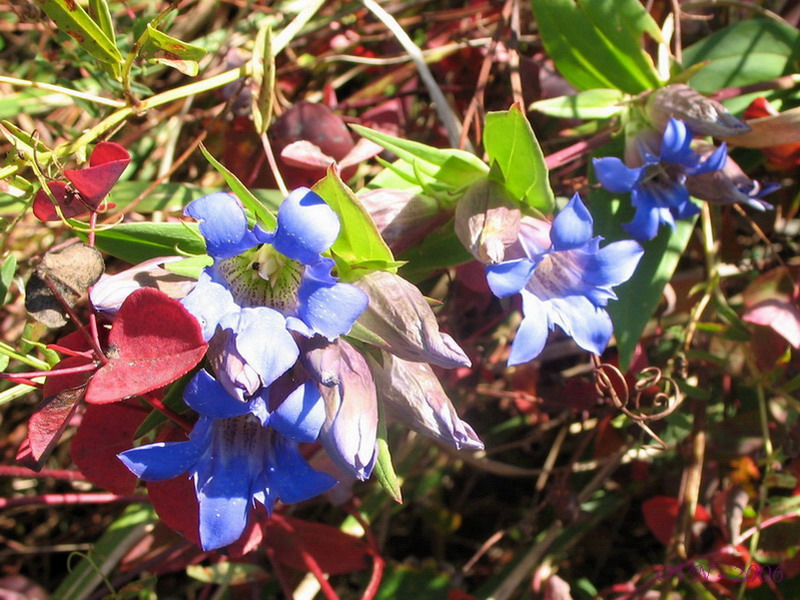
x=658 y=187
x=565 y=279
x=234 y=460
x=264 y=285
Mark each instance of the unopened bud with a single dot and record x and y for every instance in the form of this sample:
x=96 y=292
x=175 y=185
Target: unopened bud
x=401 y=317
x=403 y=217
x=411 y=394
x=487 y=221
x=350 y=431
x=728 y=185
x=238 y=378
x=702 y=115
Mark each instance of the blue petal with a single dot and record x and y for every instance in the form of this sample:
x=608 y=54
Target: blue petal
x=508 y=278
x=532 y=333
x=301 y=415
x=306 y=226
x=645 y=222
x=263 y=341
x=208 y=302
x=165 y=460
x=613 y=264
x=715 y=162
x=223 y=224
x=572 y=227
x=205 y=395
x=613 y=175
x=327 y=307
x=291 y=478
x=589 y=326
x=676 y=144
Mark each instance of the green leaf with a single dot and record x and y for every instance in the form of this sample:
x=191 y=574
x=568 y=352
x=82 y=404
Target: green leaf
x=24 y=143
x=137 y=242
x=451 y=167
x=112 y=546
x=384 y=469
x=440 y=250
x=250 y=202
x=7 y=271
x=75 y=22
x=166 y=50
x=510 y=142
x=175 y=196
x=596 y=43
x=591 y=104
x=359 y=245
x=747 y=52
x=31 y=102
x=102 y=16
x=640 y=295
x=190 y=267
x=263 y=77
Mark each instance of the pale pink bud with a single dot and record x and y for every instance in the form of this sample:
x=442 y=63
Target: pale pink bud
x=411 y=394
x=110 y=291
x=350 y=431
x=404 y=218
x=487 y=221
x=238 y=378
x=400 y=316
x=702 y=115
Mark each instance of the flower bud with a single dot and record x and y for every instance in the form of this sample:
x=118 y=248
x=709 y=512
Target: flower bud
x=728 y=185
x=487 y=221
x=110 y=291
x=403 y=217
x=411 y=394
x=322 y=360
x=702 y=115
x=233 y=373
x=350 y=430
x=399 y=314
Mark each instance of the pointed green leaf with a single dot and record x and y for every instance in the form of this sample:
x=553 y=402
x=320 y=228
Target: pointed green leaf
x=359 y=245
x=99 y=10
x=137 y=242
x=75 y=22
x=263 y=76
x=250 y=202
x=591 y=104
x=162 y=48
x=451 y=167
x=384 y=469
x=7 y=271
x=510 y=143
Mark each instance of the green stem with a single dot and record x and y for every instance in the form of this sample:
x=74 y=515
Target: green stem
x=61 y=90
x=23 y=358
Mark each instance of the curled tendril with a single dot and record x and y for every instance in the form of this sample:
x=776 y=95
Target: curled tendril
x=609 y=382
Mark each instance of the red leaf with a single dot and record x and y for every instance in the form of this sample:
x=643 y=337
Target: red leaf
x=783 y=317
x=660 y=514
x=104 y=432
x=334 y=551
x=45 y=427
x=71 y=205
x=154 y=340
x=107 y=163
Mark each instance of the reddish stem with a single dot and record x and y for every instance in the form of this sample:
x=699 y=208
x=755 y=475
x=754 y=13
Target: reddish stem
x=51 y=373
x=70 y=499
x=280 y=574
x=175 y=417
x=93 y=342
x=12 y=471
x=570 y=153
x=313 y=566
x=70 y=352
x=378 y=563
x=92 y=226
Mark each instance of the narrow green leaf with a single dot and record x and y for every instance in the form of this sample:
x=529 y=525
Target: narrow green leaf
x=24 y=143
x=384 y=469
x=263 y=76
x=164 y=49
x=250 y=202
x=7 y=271
x=102 y=16
x=173 y=399
x=359 y=245
x=189 y=267
x=510 y=142
x=137 y=242
x=70 y=18
x=112 y=546
x=591 y=104
x=454 y=168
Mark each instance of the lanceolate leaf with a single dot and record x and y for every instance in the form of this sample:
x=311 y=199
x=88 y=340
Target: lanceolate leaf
x=75 y=22
x=359 y=244
x=153 y=341
x=510 y=142
x=165 y=49
x=384 y=469
x=137 y=242
x=591 y=104
x=263 y=76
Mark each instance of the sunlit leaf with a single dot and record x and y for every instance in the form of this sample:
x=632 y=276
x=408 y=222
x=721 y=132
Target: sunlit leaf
x=162 y=48
x=591 y=104
x=70 y=18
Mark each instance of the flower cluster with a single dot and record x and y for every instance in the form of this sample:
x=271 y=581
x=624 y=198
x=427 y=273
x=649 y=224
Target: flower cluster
x=279 y=373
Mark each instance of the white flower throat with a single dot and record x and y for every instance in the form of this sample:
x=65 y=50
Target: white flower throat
x=263 y=276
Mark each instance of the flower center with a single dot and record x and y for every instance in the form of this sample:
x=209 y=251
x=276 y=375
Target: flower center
x=555 y=276
x=263 y=276
x=661 y=178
